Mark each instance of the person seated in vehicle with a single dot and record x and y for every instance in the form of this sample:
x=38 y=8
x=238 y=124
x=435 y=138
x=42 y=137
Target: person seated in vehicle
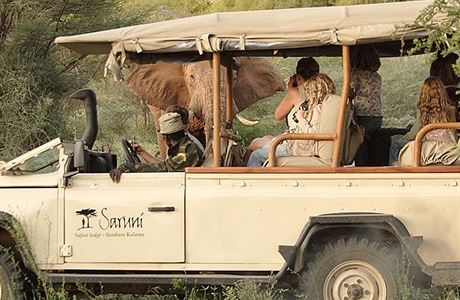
x=441 y=68
x=257 y=152
x=182 y=151
x=316 y=90
x=184 y=114
x=438 y=146
x=366 y=86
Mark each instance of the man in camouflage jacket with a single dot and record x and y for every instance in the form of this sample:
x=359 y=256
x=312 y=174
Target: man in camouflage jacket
x=182 y=151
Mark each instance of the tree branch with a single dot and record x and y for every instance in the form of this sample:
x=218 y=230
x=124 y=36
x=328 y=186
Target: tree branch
x=56 y=29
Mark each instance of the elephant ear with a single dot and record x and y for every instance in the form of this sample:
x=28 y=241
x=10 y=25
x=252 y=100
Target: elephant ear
x=257 y=78
x=160 y=84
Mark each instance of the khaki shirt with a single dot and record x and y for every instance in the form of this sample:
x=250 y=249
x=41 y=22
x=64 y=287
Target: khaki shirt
x=180 y=156
x=438 y=147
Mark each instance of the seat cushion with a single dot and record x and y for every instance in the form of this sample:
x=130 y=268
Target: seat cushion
x=302 y=161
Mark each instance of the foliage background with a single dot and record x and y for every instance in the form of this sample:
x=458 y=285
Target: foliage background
x=37 y=76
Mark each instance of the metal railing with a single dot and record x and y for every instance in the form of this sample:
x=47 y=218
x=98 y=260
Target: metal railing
x=421 y=134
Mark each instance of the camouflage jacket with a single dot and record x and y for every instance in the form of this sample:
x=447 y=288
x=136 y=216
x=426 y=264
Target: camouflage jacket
x=180 y=156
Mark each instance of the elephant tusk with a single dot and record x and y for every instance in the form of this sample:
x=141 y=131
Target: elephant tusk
x=245 y=121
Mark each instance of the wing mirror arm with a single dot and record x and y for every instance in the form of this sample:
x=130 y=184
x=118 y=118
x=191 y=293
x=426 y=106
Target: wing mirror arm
x=79 y=160
x=70 y=174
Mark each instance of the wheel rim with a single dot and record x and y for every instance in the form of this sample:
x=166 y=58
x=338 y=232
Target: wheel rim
x=352 y=280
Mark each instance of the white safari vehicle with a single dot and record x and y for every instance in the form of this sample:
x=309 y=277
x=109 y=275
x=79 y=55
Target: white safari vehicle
x=335 y=232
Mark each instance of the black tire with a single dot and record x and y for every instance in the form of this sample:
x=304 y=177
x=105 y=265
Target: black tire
x=11 y=277
x=352 y=268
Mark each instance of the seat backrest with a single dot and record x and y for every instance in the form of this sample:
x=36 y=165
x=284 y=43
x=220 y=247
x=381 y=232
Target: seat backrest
x=330 y=110
x=353 y=135
x=328 y=123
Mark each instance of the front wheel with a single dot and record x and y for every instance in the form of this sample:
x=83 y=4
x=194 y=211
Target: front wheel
x=11 y=279
x=350 y=269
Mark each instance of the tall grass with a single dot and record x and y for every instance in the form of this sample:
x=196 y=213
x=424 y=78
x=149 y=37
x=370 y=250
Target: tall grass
x=245 y=290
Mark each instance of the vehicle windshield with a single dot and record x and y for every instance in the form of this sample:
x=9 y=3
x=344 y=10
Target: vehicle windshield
x=45 y=162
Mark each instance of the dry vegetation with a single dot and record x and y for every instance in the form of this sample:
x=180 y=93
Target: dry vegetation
x=37 y=76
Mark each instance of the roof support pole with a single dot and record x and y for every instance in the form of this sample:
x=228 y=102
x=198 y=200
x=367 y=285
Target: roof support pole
x=216 y=108
x=229 y=92
x=343 y=106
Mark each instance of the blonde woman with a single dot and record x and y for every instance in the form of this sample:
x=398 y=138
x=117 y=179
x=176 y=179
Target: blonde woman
x=316 y=90
x=257 y=152
x=439 y=146
x=441 y=68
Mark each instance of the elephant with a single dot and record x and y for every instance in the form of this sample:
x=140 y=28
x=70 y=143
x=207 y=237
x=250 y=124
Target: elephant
x=190 y=85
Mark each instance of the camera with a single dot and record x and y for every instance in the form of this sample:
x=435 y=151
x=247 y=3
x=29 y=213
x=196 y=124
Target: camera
x=294 y=83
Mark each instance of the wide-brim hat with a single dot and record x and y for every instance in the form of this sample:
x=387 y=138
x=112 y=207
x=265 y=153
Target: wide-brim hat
x=171 y=123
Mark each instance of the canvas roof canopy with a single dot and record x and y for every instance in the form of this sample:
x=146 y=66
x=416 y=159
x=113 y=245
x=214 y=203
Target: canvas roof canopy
x=271 y=31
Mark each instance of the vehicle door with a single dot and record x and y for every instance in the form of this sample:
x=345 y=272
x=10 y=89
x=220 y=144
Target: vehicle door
x=140 y=219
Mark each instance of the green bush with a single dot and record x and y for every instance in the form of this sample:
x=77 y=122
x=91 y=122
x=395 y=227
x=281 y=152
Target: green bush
x=120 y=114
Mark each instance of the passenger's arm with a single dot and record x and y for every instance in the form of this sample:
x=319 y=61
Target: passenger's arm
x=289 y=101
x=285 y=106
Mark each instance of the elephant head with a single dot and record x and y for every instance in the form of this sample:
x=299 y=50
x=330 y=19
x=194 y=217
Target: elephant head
x=190 y=85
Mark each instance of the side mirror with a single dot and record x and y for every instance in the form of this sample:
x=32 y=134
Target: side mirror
x=79 y=155
x=78 y=161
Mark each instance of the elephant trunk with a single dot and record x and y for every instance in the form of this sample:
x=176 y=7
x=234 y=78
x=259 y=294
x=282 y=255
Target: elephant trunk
x=89 y=98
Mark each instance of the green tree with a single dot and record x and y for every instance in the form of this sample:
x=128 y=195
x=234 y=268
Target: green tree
x=241 y=5
x=160 y=10
x=444 y=36
x=36 y=74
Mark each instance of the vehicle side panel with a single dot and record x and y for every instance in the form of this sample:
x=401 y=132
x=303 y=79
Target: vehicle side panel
x=243 y=218
x=36 y=209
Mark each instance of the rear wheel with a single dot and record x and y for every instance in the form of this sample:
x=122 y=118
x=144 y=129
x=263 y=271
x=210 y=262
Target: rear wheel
x=350 y=269
x=11 y=277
